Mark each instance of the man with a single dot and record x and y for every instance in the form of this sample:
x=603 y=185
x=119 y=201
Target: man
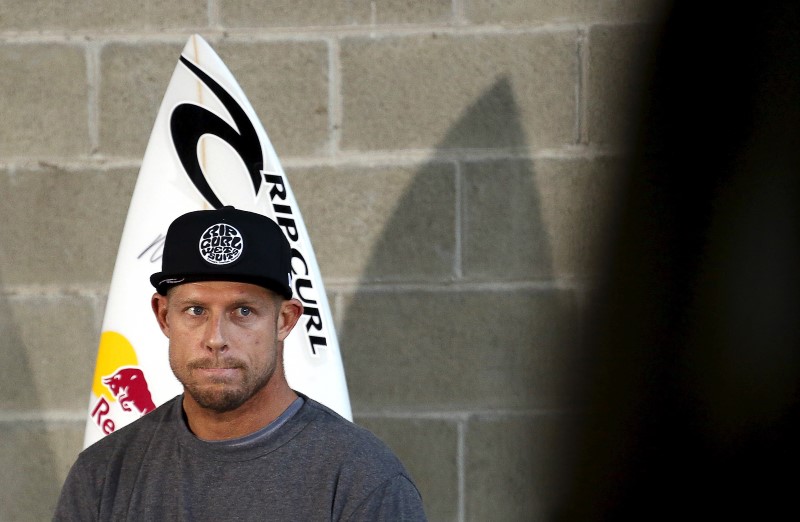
x=239 y=443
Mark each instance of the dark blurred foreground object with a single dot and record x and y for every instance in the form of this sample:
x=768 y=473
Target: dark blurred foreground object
x=694 y=350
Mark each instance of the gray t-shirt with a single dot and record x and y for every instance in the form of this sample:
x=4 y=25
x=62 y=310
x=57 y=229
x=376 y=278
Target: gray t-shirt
x=314 y=465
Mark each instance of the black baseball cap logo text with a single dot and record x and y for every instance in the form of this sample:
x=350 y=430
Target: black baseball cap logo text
x=221 y=244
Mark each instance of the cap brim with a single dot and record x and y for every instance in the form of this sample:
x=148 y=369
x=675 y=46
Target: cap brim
x=163 y=281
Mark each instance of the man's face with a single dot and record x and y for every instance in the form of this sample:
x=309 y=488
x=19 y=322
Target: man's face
x=224 y=340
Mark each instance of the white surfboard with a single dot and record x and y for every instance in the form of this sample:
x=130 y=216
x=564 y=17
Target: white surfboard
x=207 y=149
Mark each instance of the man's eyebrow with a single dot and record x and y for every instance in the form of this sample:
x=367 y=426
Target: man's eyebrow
x=188 y=301
x=252 y=302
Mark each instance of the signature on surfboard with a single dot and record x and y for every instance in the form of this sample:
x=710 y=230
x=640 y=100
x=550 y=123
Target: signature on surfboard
x=156 y=249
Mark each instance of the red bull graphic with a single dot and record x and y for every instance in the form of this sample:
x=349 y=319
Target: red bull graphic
x=119 y=385
x=130 y=388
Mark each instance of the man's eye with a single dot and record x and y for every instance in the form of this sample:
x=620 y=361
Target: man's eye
x=195 y=310
x=245 y=311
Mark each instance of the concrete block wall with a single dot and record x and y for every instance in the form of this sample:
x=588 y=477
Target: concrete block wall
x=453 y=159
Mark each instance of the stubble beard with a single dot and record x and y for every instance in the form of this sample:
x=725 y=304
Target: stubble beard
x=224 y=395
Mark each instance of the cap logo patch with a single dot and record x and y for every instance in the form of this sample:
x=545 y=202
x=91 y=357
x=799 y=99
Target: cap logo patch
x=221 y=244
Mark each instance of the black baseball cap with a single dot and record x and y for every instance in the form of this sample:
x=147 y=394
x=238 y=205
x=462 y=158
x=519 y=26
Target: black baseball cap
x=225 y=245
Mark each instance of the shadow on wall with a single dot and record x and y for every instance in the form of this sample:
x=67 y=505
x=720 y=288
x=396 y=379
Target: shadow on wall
x=693 y=387
x=424 y=348
x=462 y=331
x=29 y=488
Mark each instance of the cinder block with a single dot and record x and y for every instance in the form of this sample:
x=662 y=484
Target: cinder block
x=303 y=13
x=443 y=350
x=459 y=91
x=618 y=58
x=534 y=220
x=134 y=79
x=515 y=467
x=62 y=227
x=411 y=11
x=380 y=223
x=283 y=13
x=35 y=457
x=47 y=352
x=46 y=15
x=519 y=11
x=554 y=11
x=429 y=450
x=45 y=103
x=287 y=84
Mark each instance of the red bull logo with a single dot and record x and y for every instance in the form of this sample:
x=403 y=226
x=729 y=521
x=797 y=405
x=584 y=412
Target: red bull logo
x=119 y=384
x=130 y=388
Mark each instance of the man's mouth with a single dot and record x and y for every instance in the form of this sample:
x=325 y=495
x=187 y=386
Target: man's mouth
x=216 y=370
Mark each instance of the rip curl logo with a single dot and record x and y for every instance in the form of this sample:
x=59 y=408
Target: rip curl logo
x=221 y=244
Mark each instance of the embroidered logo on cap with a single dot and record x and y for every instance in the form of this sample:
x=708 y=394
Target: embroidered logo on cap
x=221 y=244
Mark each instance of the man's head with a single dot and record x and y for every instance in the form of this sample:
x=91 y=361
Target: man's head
x=223 y=300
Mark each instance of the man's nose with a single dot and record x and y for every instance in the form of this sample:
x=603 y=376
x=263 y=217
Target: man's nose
x=215 y=338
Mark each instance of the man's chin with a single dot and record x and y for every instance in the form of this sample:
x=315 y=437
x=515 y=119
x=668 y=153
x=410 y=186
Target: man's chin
x=218 y=398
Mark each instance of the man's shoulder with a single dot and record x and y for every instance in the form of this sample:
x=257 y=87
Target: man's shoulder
x=335 y=425
x=368 y=474
x=346 y=438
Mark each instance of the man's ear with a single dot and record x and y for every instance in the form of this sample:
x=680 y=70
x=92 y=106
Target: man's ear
x=288 y=315
x=159 y=304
